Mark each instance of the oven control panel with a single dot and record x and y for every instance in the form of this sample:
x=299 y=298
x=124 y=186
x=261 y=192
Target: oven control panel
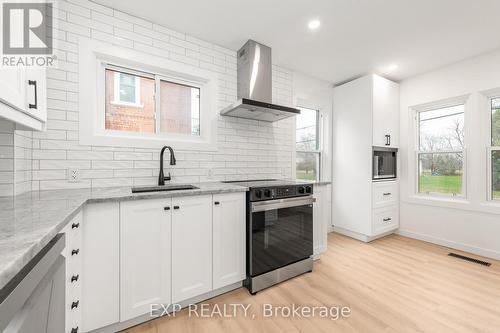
x=279 y=192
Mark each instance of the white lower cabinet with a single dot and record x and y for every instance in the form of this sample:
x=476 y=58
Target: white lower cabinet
x=145 y=252
x=385 y=219
x=101 y=265
x=385 y=193
x=321 y=218
x=191 y=246
x=229 y=246
x=73 y=253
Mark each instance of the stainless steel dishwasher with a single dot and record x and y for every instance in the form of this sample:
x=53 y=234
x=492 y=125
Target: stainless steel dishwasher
x=33 y=301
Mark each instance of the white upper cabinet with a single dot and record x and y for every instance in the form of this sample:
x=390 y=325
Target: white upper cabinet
x=145 y=252
x=12 y=87
x=229 y=252
x=385 y=112
x=191 y=246
x=23 y=96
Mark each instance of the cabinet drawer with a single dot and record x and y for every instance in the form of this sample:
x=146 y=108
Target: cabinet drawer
x=385 y=194
x=385 y=219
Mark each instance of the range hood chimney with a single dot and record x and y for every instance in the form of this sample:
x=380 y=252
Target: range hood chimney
x=255 y=86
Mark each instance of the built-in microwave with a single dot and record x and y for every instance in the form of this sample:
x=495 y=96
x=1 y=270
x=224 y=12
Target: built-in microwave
x=384 y=163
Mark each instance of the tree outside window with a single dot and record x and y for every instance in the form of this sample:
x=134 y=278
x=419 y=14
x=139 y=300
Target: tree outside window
x=495 y=148
x=307 y=144
x=441 y=150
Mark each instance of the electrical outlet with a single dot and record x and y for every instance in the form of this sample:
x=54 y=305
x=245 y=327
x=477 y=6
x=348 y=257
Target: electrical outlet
x=73 y=175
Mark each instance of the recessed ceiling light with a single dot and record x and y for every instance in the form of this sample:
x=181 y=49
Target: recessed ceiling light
x=392 y=67
x=313 y=24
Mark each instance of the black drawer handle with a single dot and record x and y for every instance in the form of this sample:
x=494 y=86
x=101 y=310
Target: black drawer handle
x=33 y=106
x=176 y=207
x=166 y=208
x=75 y=278
x=74 y=330
x=216 y=203
x=75 y=225
x=74 y=305
x=387 y=219
x=387 y=193
x=75 y=252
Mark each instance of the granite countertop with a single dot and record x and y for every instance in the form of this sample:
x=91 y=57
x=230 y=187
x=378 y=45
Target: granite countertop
x=30 y=220
x=315 y=182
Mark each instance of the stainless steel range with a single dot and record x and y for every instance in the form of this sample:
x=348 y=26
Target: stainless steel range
x=279 y=231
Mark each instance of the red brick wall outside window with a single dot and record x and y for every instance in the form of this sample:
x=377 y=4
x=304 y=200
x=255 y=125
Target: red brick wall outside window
x=179 y=108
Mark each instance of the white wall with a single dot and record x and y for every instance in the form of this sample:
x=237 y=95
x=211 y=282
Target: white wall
x=246 y=148
x=471 y=224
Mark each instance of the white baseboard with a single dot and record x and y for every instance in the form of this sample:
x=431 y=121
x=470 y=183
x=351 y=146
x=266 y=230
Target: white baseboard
x=451 y=244
x=358 y=236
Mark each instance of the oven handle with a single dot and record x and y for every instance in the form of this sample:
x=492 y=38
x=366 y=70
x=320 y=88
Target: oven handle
x=261 y=206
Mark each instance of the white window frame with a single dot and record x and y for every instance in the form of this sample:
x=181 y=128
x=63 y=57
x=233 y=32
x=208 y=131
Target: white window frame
x=319 y=150
x=94 y=56
x=116 y=93
x=490 y=149
x=416 y=110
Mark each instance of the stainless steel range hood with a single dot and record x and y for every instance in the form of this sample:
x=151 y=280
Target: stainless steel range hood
x=255 y=87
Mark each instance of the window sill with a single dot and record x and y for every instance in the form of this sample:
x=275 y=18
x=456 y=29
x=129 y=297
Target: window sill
x=432 y=200
x=133 y=105
x=485 y=207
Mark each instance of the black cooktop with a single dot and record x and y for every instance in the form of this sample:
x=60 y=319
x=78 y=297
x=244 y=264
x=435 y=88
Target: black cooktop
x=253 y=183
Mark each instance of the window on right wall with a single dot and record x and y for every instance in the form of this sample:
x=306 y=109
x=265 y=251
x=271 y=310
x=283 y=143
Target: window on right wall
x=308 y=153
x=495 y=148
x=440 y=153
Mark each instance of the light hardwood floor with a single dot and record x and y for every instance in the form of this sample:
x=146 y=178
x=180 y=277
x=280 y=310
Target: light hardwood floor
x=394 y=284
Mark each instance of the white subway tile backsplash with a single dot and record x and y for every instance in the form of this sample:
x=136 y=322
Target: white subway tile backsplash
x=39 y=160
x=109 y=19
x=132 y=19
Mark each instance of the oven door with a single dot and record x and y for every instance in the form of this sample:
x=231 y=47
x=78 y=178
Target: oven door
x=280 y=233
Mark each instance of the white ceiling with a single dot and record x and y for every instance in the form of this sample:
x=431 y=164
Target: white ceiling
x=355 y=36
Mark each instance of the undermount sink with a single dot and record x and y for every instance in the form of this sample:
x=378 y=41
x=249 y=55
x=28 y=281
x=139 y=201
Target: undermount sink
x=163 y=188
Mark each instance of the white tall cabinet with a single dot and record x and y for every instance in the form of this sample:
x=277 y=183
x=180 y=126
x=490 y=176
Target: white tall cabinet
x=365 y=114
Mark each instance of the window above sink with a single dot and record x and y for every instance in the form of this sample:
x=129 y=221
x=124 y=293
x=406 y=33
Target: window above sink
x=134 y=99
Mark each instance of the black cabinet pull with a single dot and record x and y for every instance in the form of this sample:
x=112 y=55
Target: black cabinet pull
x=74 y=252
x=387 y=140
x=176 y=207
x=216 y=203
x=74 y=305
x=75 y=225
x=74 y=330
x=75 y=278
x=166 y=208
x=33 y=106
x=387 y=193
x=387 y=219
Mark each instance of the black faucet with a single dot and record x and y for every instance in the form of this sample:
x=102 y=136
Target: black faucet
x=161 y=177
